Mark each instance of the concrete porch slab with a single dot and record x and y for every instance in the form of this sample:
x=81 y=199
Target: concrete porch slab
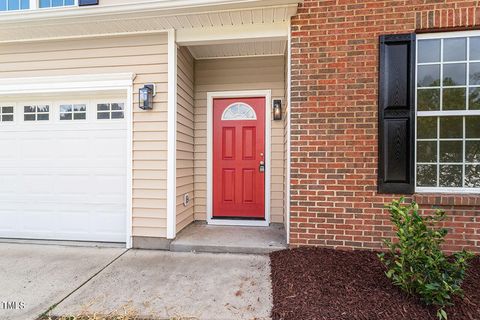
x=41 y=275
x=200 y=237
x=173 y=285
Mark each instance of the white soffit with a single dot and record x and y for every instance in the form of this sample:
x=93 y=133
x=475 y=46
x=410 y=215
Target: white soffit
x=98 y=21
x=240 y=49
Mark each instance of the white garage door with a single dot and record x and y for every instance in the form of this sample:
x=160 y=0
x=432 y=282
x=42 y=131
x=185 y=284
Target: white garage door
x=63 y=167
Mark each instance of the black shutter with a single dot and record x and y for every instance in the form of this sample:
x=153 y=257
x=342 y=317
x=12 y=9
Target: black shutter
x=397 y=114
x=87 y=2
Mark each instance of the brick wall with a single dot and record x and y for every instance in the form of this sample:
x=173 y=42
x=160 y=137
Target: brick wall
x=334 y=121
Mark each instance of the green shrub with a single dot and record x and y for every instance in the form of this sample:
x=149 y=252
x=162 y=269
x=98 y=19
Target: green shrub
x=416 y=262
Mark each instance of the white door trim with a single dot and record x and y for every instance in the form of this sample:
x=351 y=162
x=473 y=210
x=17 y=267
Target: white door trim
x=268 y=155
x=85 y=83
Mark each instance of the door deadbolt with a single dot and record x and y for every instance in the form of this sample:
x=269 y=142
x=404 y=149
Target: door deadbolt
x=262 y=166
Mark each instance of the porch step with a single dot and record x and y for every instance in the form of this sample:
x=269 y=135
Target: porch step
x=200 y=237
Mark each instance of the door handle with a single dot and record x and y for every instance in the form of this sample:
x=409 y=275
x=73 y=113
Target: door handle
x=262 y=166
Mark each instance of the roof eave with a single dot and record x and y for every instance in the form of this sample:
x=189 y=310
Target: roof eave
x=163 y=8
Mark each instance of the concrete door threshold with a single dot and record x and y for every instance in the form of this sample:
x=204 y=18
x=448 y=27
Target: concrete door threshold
x=200 y=237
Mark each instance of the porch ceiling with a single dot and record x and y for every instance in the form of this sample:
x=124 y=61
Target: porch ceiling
x=193 y=17
x=239 y=49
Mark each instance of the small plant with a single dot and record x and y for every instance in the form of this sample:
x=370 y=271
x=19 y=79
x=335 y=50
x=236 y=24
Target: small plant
x=416 y=262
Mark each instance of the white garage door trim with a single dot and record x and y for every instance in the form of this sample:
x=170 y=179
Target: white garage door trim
x=84 y=83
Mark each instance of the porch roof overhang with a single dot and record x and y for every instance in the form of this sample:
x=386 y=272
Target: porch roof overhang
x=197 y=22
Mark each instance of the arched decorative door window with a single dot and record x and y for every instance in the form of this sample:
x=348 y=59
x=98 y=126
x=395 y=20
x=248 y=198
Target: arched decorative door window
x=239 y=111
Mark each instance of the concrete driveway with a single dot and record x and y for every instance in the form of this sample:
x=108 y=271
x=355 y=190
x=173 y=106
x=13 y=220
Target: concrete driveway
x=153 y=284
x=35 y=277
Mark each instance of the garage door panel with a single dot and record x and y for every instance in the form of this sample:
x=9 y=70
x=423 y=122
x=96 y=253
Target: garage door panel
x=9 y=218
x=37 y=148
x=7 y=151
x=41 y=219
x=71 y=148
x=34 y=185
x=109 y=185
x=8 y=183
x=110 y=147
x=72 y=184
x=107 y=223
x=74 y=222
x=64 y=180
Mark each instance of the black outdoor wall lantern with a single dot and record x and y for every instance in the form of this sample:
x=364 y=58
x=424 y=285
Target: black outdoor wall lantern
x=277 y=109
x=146 y=95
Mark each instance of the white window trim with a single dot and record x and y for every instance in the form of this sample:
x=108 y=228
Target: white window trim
x=85 y=83
x=432 y=36
x=268 y=136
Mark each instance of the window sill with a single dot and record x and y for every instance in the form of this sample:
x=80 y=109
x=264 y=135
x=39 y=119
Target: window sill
x=440 y=199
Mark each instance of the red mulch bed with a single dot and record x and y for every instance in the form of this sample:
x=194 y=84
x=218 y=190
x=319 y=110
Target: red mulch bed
x=315 y=283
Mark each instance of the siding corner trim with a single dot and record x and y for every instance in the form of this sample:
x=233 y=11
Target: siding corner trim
x=172 y=136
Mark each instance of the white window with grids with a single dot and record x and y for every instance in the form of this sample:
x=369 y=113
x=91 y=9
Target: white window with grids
x=110 y=111
x=73 y=112
x=36 y=112
x=55 y=3
x=239 y=111
x=11 y=5
x=7 y=113
x=448 y=112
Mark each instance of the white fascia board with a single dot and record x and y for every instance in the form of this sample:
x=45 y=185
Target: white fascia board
x=231 y=34
x=162 y=7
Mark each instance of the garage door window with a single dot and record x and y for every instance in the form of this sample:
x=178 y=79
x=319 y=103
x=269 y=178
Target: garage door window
x=6 y=114
x=73 y=112
x=110 y=111
x=36 y=113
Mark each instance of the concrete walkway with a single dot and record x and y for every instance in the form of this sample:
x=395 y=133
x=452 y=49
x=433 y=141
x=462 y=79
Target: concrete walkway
x=154 y=284
x=39 y=276
x=200 y=237
x=166 y=285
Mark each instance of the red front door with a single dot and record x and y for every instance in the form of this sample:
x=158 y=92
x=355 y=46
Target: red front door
x=238 y=158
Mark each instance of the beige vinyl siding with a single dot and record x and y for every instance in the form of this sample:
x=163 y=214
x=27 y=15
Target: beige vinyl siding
x=185 y=138
x=237 y=74
x=144 y=55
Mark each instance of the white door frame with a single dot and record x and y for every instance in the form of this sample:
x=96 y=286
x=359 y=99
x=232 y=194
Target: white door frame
x=85 y=83
x=267 y=94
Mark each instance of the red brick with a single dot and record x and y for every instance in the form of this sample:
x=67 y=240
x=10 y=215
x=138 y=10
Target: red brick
x=334 y=122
